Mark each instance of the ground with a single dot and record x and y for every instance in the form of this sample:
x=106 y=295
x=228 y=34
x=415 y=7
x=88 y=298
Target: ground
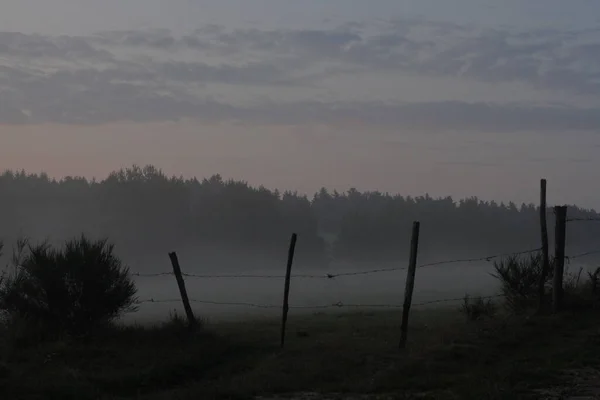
x=349 y=356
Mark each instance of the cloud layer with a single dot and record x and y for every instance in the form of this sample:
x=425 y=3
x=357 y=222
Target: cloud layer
x=210 y=74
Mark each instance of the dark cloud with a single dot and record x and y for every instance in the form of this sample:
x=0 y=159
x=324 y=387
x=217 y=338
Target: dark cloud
x=98 y=101
x=300 y=42
x=546 y=58
x=61 y=47
x=155 y=38
x=113 y=85
x=428 y=48
x=249 y=74
x=9 y=112
x=435 y=116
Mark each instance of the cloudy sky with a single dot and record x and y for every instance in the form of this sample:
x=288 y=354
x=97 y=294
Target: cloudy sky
x=462 y=97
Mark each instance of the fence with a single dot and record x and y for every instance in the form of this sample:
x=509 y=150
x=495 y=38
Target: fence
x=412 y=268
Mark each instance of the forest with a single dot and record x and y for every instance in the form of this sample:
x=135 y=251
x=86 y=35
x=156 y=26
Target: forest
x=227 y=224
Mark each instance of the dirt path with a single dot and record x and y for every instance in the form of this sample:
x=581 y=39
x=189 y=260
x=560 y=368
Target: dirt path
x=318 y=396
x=585 y=386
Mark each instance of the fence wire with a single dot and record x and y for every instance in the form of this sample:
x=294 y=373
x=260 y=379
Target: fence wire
x=588 y=219
x=580 y=255
x=336 y=275
x=314 y=307
x=328 y=276
x=487 y=258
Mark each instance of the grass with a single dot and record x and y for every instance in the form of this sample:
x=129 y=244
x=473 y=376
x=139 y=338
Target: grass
x=447 y=358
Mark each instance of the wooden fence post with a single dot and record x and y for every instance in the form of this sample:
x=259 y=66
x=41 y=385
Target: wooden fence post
x=410 y=282
x=559 y=257
x=545 y=251
x=182 y=290
x=286 y=291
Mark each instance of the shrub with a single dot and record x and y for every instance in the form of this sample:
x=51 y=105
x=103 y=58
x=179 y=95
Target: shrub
x=72 y=290
x=519 y=278
x=578 y=294
x=478 y=308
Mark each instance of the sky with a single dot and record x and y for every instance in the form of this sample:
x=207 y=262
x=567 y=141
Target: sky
x=461 y=98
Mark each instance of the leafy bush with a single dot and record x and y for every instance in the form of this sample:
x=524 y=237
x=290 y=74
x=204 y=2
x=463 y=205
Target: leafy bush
x=478 y=308
x=519 y=278
x=72 y=290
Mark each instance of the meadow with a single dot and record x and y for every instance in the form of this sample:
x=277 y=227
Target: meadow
x=345 y=355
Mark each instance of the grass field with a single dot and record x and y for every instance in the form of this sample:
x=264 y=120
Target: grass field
x=346 y=354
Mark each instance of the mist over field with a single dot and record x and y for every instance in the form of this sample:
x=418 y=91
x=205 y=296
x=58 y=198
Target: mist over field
x=225 y=227
x=340 y=122
x=375 y=290
x=219 y=131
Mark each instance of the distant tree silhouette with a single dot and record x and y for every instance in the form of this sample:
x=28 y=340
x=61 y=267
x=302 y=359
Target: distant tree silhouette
x=223 y=223
x=373 y=227
x=145 y=212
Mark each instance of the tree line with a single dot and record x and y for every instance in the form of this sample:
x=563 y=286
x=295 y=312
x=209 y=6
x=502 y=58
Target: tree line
x=230 y=224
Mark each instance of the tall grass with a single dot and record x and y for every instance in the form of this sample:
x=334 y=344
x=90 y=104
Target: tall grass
x=477 y=308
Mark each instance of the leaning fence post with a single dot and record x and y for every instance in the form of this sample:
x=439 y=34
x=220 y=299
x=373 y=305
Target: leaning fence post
x=410 y=282
x=545 y=256
x=182 y=290
x=559 y=257
x=286 y=291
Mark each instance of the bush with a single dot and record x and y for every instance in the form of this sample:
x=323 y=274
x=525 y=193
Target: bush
x=578 y=294
x=519 y=278
x=73 y=290
x=478 y=308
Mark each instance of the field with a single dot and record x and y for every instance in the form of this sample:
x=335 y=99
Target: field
x=351 y=355
x=431 y=284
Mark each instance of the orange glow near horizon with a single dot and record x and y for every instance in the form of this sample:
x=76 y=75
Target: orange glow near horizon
x=303 y=158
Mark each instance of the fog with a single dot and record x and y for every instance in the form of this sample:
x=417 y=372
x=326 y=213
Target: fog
x=441 y=287
x=382 y=289
x=216 y=129
x=221 y=229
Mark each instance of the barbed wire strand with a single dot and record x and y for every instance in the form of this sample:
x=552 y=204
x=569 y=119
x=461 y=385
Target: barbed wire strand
x=151 y=275
x=458 y=299
x=367 y=272
x=589 y=219
x=335 y=275
x=312 y=307
x=587 y=253
x=487 y=258
x=249 y=276
x=227 y=276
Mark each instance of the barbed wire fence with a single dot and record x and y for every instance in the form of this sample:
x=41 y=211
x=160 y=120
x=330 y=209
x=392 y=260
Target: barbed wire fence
x=314 y=307
x=336 y=275
x=327 y=277
x=594 y=272
x=324 y=276
x=558 y=263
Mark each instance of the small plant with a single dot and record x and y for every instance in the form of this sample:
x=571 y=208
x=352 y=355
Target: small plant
x=72 y=290
x=519 y=278
x=572 y=282
x=580 y=295
x=477 y=308
x=176 y=322
x=593 y=280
